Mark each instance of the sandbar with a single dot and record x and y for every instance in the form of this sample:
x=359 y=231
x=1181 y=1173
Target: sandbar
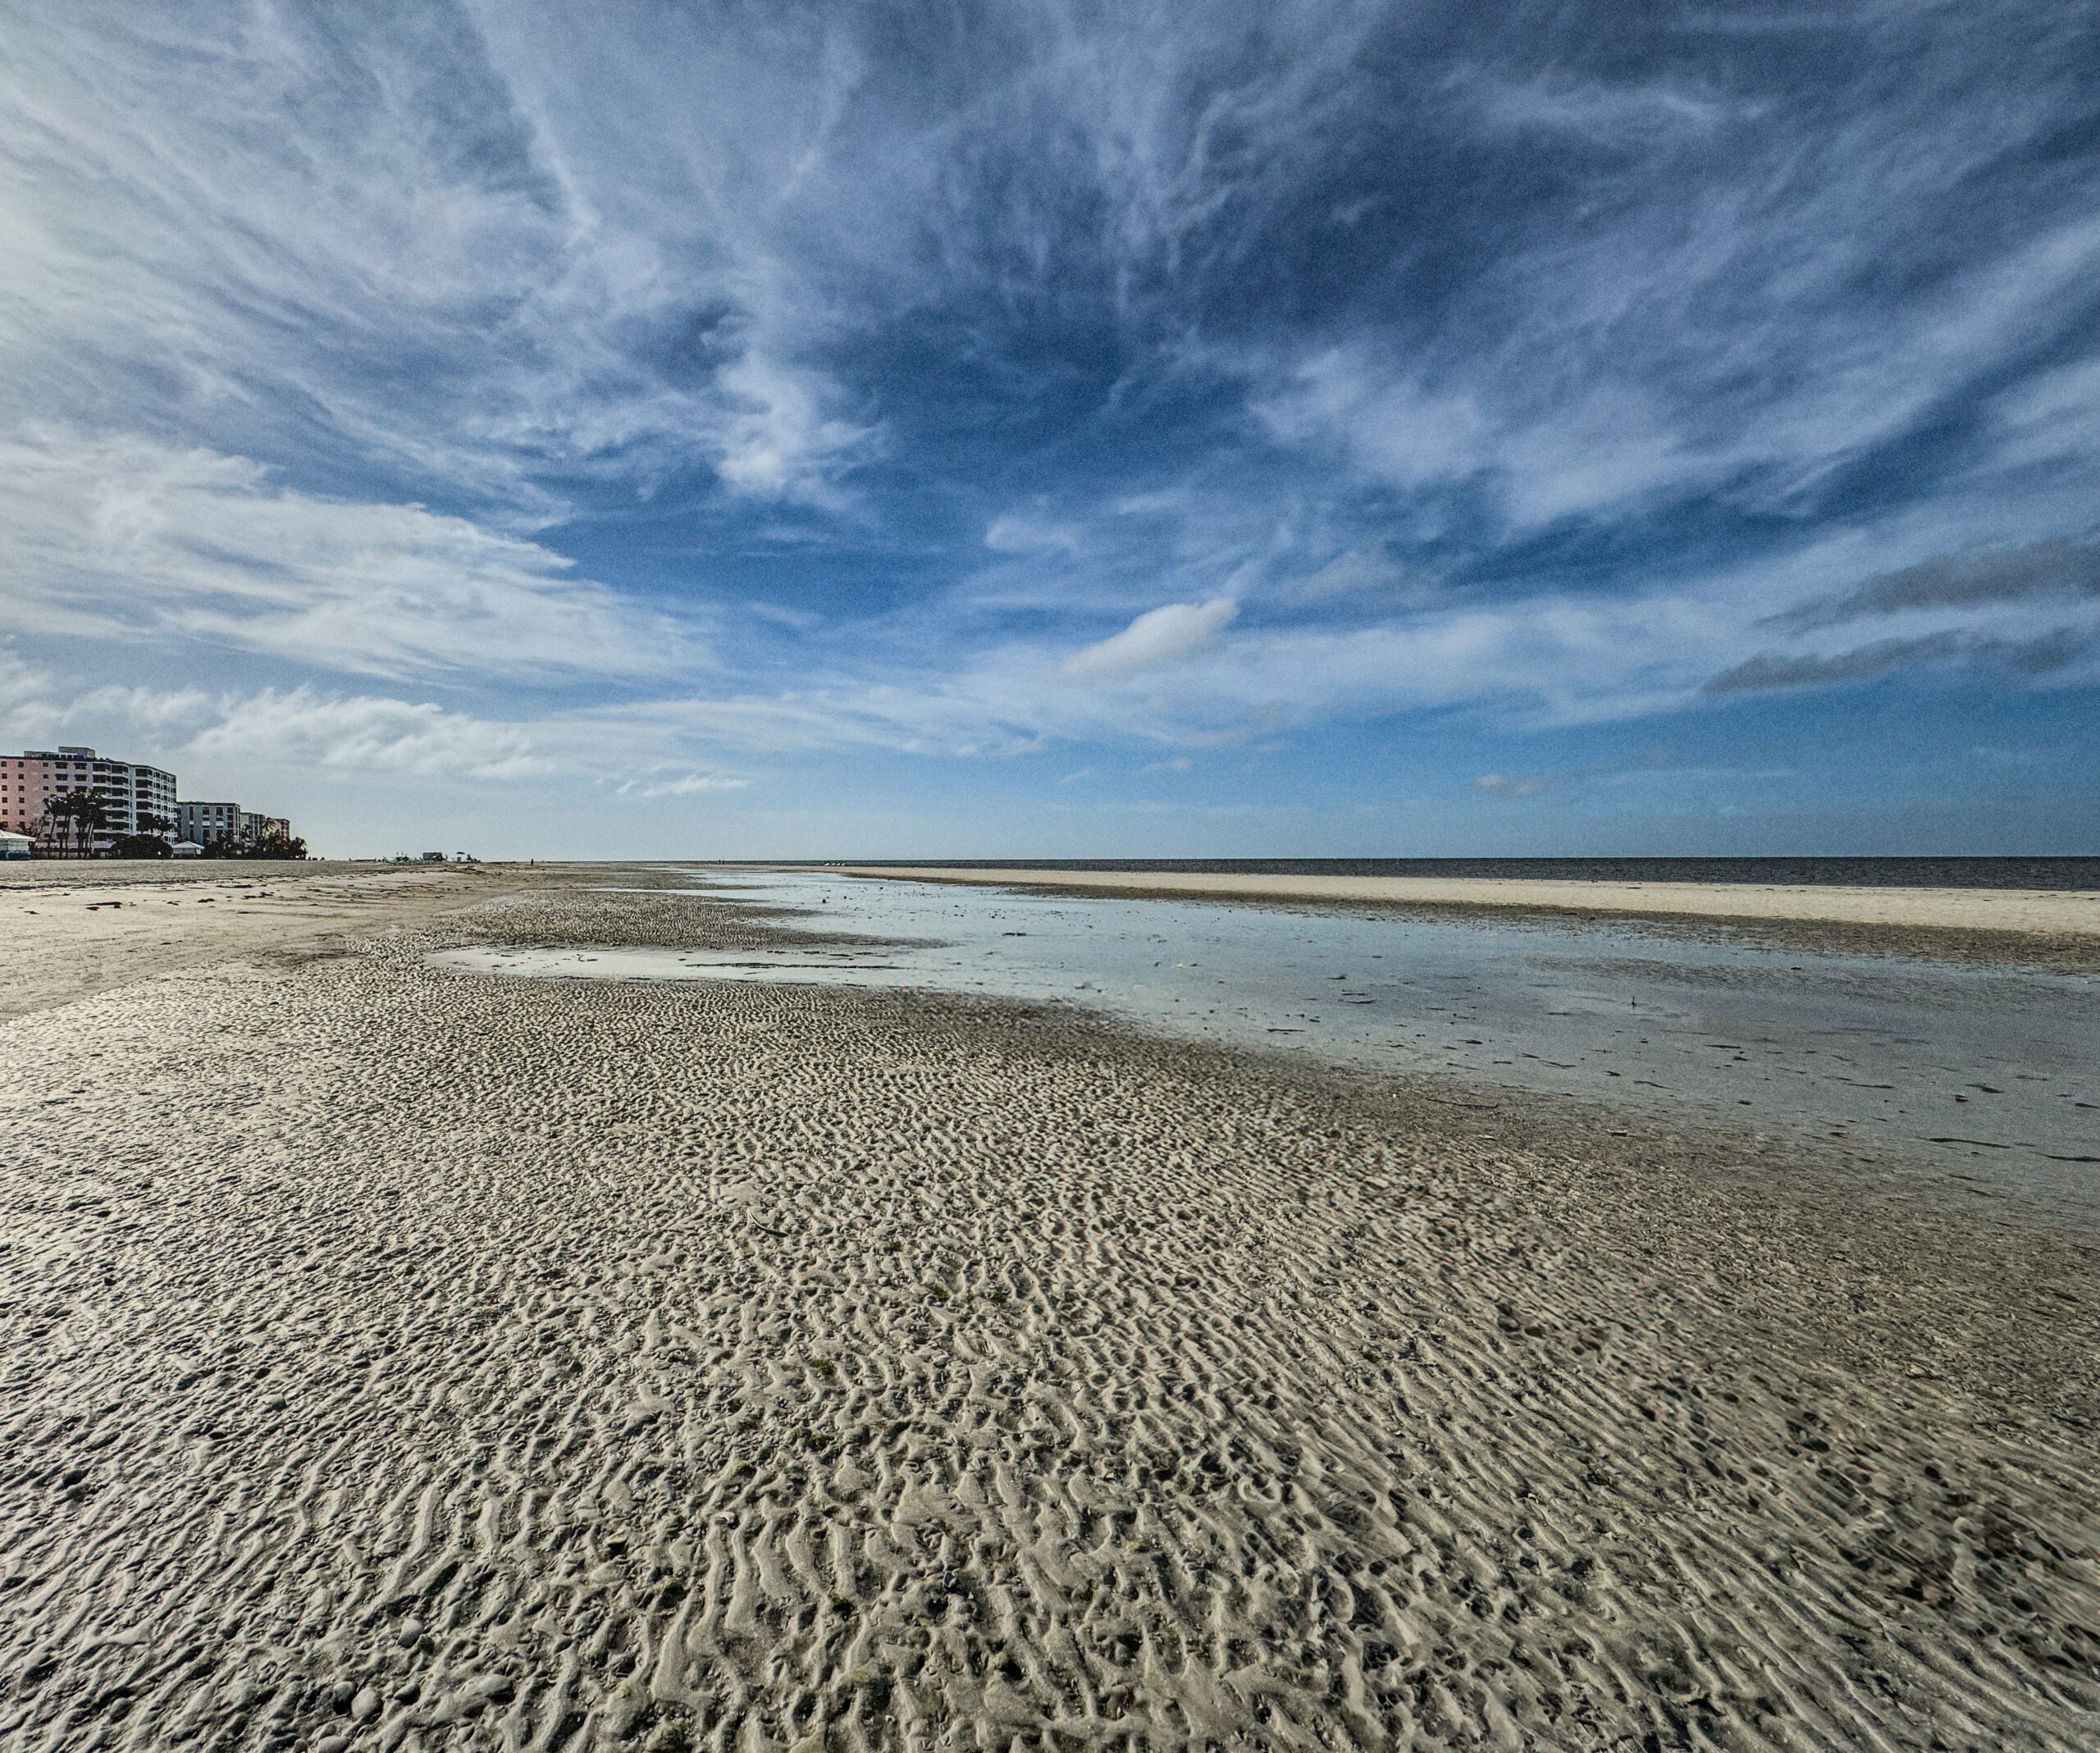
x=2044 y=925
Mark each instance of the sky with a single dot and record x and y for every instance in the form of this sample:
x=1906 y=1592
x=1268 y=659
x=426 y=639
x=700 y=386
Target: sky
x=670 y=429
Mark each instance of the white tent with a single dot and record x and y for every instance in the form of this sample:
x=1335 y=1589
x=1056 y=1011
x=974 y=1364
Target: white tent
x=187 y=849
x=14 y=845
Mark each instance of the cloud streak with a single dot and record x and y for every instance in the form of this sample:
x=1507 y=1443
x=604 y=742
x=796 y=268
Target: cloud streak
x=131 y=540
x=2061 y=569
x=2048 y=655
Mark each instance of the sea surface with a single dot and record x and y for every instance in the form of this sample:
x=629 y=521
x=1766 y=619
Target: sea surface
x=2067 y=872
x=1993 y=1073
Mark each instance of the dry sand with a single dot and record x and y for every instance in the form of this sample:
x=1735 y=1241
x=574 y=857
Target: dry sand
x=2051 y=926
x=405 y=1359
x=75 y=928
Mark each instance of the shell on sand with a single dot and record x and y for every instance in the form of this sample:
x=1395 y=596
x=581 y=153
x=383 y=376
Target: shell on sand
x=398 y=1359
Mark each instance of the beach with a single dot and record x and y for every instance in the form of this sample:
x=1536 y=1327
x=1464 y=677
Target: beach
x=401 y=1357
x=75 y=928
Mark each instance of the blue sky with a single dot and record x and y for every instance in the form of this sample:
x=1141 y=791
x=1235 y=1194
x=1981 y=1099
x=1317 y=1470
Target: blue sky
x=686 y=430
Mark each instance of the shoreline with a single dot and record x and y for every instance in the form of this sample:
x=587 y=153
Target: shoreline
x=826 y=1367
x=2051 y=929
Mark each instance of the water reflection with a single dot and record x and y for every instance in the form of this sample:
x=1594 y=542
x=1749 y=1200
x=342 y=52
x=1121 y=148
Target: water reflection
x=1991 y=1072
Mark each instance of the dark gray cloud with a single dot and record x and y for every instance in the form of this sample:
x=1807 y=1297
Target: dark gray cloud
x=2062 y=568
x=2053 y=651
x=1864 y=663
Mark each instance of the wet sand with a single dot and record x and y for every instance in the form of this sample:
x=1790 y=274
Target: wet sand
x=404 y=1359
x=1988 y=1070
x=2048 y=927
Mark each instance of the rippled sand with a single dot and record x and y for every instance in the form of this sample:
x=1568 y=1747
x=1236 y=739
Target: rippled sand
x=405 y=1359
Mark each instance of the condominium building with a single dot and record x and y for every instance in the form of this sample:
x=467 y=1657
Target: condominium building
x=227 y=825
x=211 y=823
x=131 y=795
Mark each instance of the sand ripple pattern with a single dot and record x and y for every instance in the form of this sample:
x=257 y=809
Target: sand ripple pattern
x=631 y=917
x=402 y=1360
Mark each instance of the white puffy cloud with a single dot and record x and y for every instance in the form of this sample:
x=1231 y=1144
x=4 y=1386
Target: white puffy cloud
x=1169 y=679
x=1159 y=636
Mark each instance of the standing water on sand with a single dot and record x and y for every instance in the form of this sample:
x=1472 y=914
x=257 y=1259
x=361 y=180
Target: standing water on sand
x=1990 y=1070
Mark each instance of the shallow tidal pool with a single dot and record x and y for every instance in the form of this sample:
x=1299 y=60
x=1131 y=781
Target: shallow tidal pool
x=1990 y=1071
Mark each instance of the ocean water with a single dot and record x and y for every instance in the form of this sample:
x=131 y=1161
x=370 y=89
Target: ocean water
x=1993 y=1074
x=2067 y=872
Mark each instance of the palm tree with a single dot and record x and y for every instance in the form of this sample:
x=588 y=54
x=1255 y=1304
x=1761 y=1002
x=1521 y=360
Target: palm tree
x=83 y=813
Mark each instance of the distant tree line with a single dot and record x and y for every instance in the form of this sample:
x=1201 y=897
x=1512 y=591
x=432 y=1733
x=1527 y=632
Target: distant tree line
x=272 y=845
x=72 y=820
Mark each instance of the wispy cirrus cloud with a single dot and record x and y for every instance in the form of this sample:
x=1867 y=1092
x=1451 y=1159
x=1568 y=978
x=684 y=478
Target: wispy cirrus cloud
x=362 y=733
x=297 y=728
x=1599 y=110
x=683 y=785
x=324 y=732
x=2061 y=569
x=129 y=540
x=1512 y=785
x=2046 y=655
x=2024 y=614
x=420 y=272
x=772 y=384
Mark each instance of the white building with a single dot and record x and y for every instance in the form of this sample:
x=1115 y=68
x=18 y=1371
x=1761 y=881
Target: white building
x=227 y=825
x=212 y=824
x=31 y=781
